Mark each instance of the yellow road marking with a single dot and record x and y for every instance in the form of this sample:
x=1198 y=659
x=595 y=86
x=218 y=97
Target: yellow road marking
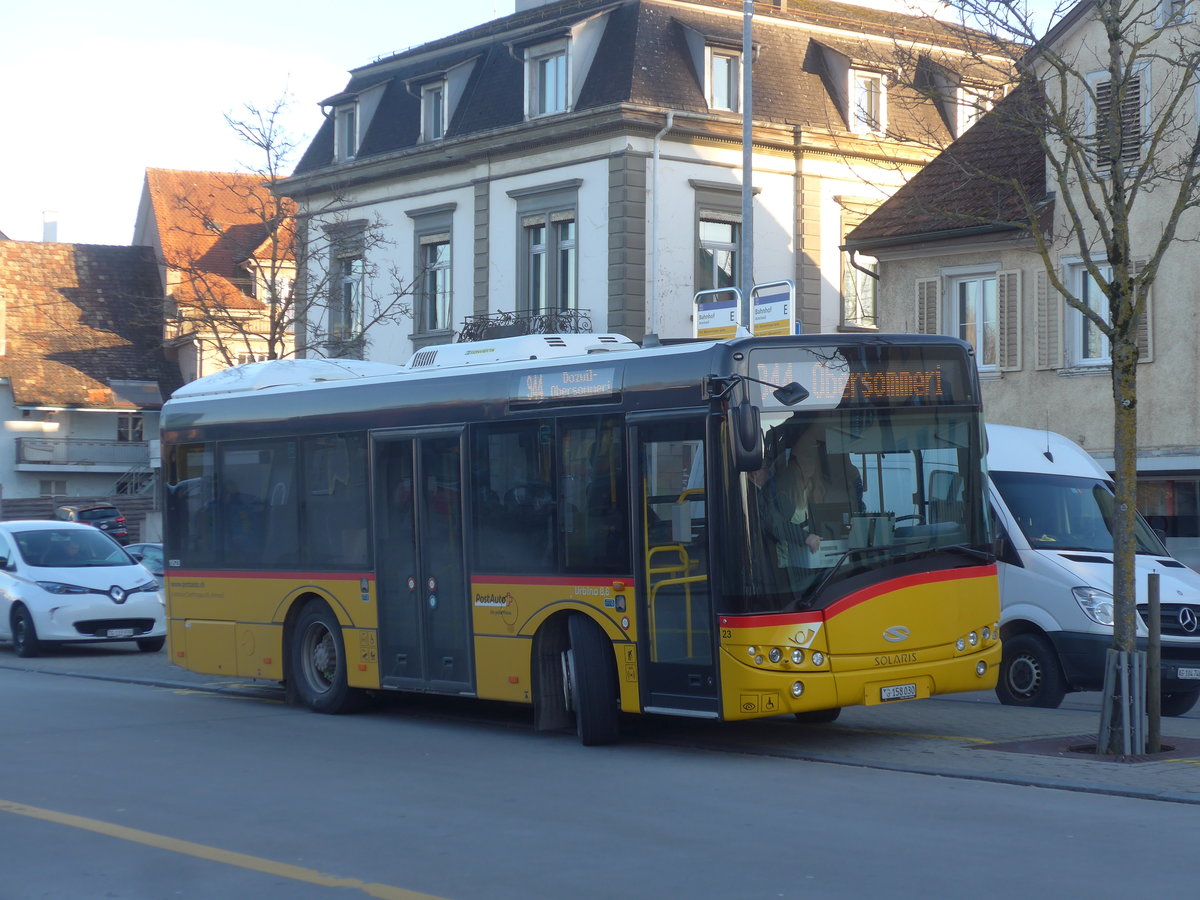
x=213 y=854
x=914 y=734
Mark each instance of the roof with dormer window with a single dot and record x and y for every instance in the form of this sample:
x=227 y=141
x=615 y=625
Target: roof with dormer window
x=645 y=56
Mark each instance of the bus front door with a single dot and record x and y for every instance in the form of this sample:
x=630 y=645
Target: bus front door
x=424 y=615
x=678 y=670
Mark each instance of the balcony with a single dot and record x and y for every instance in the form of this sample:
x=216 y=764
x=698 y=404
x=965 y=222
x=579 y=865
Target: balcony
x=42 y=454
x=511 y=324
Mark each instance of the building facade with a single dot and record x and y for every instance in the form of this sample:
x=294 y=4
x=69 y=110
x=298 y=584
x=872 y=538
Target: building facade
x=577 y=166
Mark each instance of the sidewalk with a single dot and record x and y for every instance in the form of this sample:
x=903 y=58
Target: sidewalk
x=973 y=736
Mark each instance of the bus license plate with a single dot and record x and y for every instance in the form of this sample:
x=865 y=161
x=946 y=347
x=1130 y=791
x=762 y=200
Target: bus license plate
x=898 y=692
x=1188 y=673
x=126 y=632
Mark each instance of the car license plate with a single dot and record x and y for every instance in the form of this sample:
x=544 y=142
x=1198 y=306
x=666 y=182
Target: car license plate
x=120 y=632
x=1188 y=673
x=898 y=692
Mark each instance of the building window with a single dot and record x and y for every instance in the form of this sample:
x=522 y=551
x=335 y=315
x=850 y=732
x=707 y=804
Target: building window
x=434 y=303
x=552 y=262
x=1129 y=125
x=1088 y=345
x=346 y=131
x=131 y=427
x=250 y=357
x=345 y=315
x=548 y=247
x=976 y=316
x=52 y=487
x=723 y=79
x=858 y=290
x=1175 y=12
x=718 y=252
x=433 y=112
x=547 y=77
x=866 y=102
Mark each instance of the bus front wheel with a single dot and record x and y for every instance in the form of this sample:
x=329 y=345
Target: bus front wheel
x=318 y=662
x=590 y=680
x=1029 y=673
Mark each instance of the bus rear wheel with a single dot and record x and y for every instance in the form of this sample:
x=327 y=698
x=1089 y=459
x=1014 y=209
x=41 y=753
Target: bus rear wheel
x=1029 y=673
x=590 y=681
x=317 y=662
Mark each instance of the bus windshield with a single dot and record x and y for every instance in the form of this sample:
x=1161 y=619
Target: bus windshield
x=850 y=487
x=1060 y=512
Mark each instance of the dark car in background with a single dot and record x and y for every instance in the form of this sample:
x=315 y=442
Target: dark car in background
x=150 y=555
x=104 y=516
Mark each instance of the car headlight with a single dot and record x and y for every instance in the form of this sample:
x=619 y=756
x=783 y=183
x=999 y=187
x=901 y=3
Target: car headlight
x=1097 y=605
x=57 y=587
x=148 y=588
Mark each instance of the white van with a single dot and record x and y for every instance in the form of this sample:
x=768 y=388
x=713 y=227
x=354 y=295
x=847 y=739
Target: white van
x=1052 y=506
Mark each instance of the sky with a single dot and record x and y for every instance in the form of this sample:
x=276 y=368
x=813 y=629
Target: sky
x=97 y=91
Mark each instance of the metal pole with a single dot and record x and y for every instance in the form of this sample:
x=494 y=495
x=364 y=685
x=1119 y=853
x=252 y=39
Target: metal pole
x=1154 y=666
x=746 y=273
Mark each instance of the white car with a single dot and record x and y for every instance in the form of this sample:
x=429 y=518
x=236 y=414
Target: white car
x=64 y=581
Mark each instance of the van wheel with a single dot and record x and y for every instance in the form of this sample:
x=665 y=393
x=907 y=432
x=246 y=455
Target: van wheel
x=1178 y=703
x=590 y=678
x=1030 y=674
x=317 y=663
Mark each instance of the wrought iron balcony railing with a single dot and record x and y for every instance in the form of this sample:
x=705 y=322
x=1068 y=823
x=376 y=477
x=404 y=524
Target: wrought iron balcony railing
x=509 y=324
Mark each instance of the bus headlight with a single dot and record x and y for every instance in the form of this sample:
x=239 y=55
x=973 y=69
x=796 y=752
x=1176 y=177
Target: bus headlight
x=1097 y=605
x=960 y=645
x=973 y=639
x=775 y=655
x=797 y=688
x=981 y=668
x=797 y=656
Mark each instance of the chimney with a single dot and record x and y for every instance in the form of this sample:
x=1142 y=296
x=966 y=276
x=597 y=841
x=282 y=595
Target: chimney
x=49 y=226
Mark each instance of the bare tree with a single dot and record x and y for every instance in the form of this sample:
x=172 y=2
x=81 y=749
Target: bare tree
x=254 y=280
x=1108 y=94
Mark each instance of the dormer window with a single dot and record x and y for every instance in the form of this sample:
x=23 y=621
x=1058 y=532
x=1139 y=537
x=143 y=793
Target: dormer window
x=722 y=77
x=346 y=131
x=867 y=102
x=547 y=73
x=433 y=111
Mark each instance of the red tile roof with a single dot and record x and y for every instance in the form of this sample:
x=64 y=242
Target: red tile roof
x=79 y=318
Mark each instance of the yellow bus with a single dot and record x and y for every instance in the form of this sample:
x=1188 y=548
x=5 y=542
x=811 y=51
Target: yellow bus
x=726 y=529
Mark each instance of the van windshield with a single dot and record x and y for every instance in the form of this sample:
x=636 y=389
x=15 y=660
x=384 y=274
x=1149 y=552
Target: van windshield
x=1060 y=512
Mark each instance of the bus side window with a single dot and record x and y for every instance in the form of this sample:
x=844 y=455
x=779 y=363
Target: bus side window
x=513 y=493
x=592 y=498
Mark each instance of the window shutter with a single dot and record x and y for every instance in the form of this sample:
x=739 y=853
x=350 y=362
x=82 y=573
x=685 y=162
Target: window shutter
x=1145 y=329
x=1008 y=309
x=1049 y=325
x=928 y=300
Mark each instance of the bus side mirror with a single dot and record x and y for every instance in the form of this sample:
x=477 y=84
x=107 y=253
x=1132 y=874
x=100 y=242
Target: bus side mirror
x=745 y=436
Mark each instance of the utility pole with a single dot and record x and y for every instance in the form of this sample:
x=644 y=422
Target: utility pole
x=746 y=269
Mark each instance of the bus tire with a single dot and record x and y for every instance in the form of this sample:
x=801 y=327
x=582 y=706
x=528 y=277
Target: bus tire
x=1178 y=703
x=24 y=635
x=1029 y=673
x=818 y=716
x=592 y=683
x=317 y=662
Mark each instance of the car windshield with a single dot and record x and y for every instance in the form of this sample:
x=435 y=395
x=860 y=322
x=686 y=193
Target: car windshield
x=1059 y=512
x=151 y=558
x=69 y=548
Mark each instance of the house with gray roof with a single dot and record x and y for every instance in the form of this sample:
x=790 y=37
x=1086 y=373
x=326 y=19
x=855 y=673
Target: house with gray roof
x=577 y=166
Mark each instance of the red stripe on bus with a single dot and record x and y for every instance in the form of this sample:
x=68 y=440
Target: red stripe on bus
x=290 y=576
x=860 y=596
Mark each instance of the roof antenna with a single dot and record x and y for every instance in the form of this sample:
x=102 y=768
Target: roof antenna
x=1046 y=453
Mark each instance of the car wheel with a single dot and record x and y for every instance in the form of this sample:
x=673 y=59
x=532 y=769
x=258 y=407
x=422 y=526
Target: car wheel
x=151 y=645
x=318 y=662
x=591 y=679
x=1029 y=673
x=1178 y=703
x=24 y=635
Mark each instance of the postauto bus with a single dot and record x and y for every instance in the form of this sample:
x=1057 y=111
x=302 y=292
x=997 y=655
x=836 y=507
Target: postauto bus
x=589 y=527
